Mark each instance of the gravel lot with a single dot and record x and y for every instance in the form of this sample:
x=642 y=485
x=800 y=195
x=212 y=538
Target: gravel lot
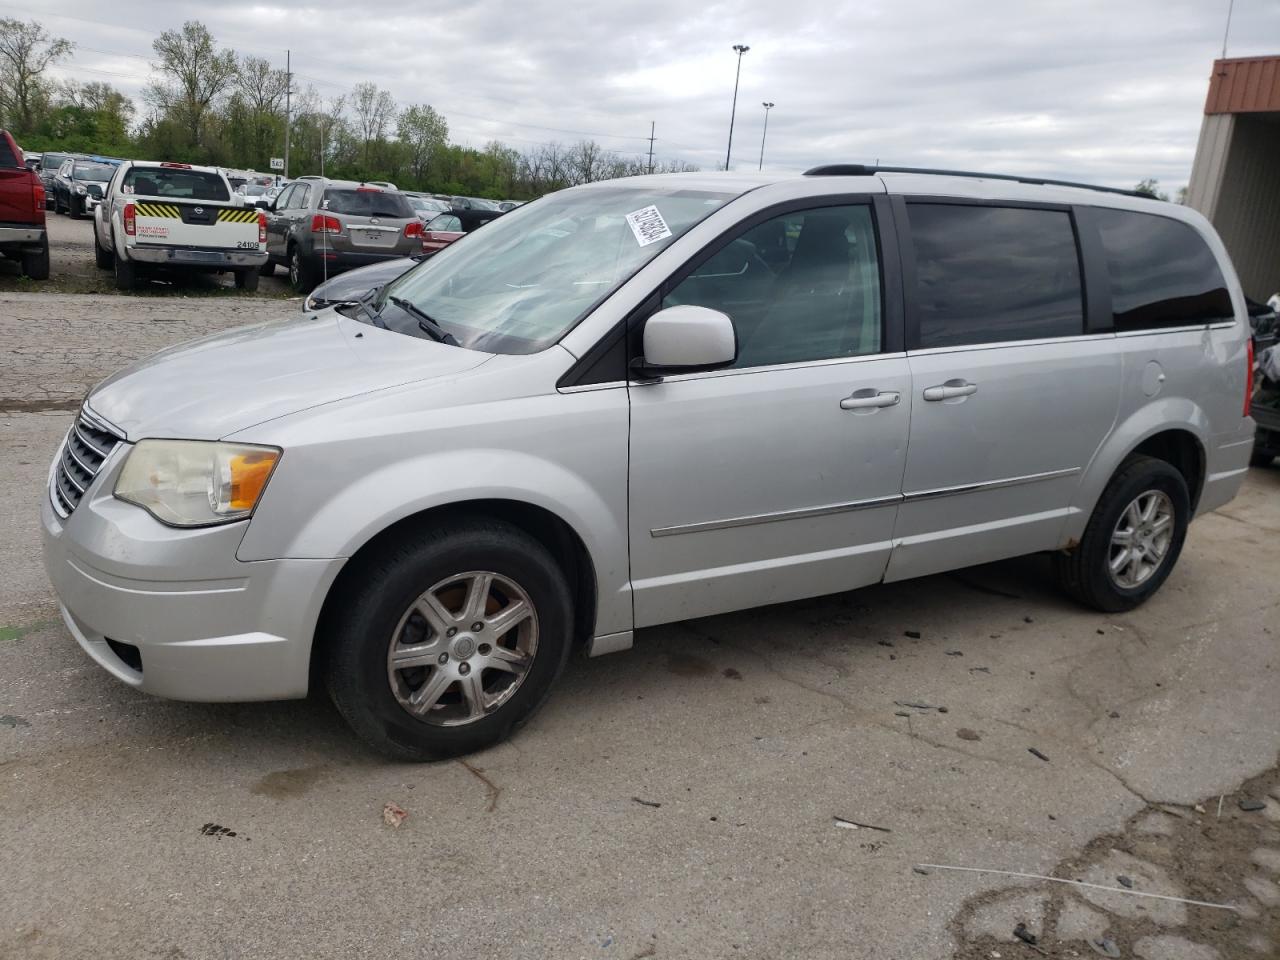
x=676 y=801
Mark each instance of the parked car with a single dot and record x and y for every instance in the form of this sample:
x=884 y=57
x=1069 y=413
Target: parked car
x=447 y=228
x=646 y=400
x=320 y=227
x=23 y=236
x=426 y=207
x=358 y=284
x=50 y=164
x=32 y=160
x=79 y=186
x=256 y=195
x=1265 y=403
x=508 y=205
x=177 y=217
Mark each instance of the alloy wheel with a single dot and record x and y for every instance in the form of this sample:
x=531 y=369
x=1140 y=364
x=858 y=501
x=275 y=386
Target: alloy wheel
x=1141 y=538
x=463 y=648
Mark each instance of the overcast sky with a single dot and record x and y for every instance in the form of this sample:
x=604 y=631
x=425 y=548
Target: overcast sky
x=1109 y=91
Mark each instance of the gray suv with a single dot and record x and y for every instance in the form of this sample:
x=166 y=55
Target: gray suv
x=318 y=228
x=646 y=400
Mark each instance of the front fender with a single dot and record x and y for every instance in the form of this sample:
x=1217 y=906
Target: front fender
x=348 y=474
x=1156 y=416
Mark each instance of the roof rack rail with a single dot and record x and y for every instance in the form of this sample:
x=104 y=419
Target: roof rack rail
x=865 y=170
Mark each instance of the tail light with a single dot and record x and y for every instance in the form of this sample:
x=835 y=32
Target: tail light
x=37 y=199
x=323 y=224
x=262 y=227
x=1248 y=378
x=130 y=220
x=413 y=228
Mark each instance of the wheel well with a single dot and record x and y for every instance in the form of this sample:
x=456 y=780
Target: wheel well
x=1182 y=450
x=543 y=525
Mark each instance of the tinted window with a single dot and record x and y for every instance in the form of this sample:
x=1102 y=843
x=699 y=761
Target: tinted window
x=802 y=286
x=1162 y=272
x=51 y=161
x=988 y=274
x=7 y=157
x=367 y=202
x=175 y=182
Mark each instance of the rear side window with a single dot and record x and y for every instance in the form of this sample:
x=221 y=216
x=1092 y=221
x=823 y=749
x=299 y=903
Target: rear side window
x=990 y=274
x=7 y=156
x=367 y=203
x=1162 y=272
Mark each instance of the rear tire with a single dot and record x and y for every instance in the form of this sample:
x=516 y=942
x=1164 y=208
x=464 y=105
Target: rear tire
x=247 y=280
x=126 y=274
x=1085 y=573
x=102 y=258
x=300 y=273
x=1260 y=458
x=36 y=265
x=268 y=269
x=378 y=613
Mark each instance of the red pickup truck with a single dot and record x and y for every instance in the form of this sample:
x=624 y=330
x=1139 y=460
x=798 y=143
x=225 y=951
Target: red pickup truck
x=22 y=232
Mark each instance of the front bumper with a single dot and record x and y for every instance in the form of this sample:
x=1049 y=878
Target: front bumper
x=205 y=626
x=200 y=258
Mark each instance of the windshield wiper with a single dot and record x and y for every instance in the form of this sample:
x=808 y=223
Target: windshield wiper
x=425 y=322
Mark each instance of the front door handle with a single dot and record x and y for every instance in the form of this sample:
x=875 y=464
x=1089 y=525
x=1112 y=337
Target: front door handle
x=870 y=398
x=951 y=389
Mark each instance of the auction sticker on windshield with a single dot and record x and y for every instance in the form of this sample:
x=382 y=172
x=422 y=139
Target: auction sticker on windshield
x=648 y=226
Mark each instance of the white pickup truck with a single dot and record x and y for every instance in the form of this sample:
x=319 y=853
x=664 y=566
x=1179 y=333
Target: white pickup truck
x=174 y=216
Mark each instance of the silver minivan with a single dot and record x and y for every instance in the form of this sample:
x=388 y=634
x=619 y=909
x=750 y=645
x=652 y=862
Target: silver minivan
x=646 y=400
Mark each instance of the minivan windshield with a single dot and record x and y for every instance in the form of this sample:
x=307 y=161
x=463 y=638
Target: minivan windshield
x=518 y=284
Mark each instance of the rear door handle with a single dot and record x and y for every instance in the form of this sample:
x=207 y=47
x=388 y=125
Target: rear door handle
x=870 y=399
x=951 y=389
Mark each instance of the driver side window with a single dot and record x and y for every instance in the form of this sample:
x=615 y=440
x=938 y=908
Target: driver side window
x=800 y=287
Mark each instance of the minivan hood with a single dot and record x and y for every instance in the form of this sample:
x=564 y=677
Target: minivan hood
x=208 y=388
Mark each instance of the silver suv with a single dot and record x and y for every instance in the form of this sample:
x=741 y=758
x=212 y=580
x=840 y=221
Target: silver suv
x=646 y=400
x=318 y=228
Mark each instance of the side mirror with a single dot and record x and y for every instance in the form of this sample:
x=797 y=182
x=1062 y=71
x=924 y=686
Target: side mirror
x=686 y=338
x=264 y=204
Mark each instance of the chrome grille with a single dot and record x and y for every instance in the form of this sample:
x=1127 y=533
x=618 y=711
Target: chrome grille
x=85 y=450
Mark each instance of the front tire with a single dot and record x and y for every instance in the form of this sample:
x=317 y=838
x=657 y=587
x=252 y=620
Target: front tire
x=1133 y=539
x=102 y=258
x=448 y=639
x=75 y=208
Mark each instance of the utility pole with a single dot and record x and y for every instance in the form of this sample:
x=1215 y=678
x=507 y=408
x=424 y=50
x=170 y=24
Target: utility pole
x=741 y=48
x=288 y=106
x=768 y=105
x=652 y=125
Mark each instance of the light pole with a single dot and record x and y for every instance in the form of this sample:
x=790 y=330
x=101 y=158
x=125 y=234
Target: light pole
x=741 y=48
x=768 y=105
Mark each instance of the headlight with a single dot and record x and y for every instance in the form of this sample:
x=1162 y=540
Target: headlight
x=81 y=190
x=194 y=483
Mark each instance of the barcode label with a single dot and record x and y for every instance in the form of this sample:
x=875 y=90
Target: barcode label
x=648 y=226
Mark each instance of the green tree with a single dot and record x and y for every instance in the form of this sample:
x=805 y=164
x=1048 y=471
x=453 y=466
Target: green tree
x=424 y=132
x=27 y=50
x=193 y=75
x=1150 y=187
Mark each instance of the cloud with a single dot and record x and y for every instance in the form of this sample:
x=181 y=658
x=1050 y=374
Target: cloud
x=1105 y=91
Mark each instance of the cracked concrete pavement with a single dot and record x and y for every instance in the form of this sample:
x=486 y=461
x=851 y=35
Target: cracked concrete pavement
x=678 y=800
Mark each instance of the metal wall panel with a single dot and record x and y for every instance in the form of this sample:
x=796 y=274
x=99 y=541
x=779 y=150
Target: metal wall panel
x=1247 y=211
